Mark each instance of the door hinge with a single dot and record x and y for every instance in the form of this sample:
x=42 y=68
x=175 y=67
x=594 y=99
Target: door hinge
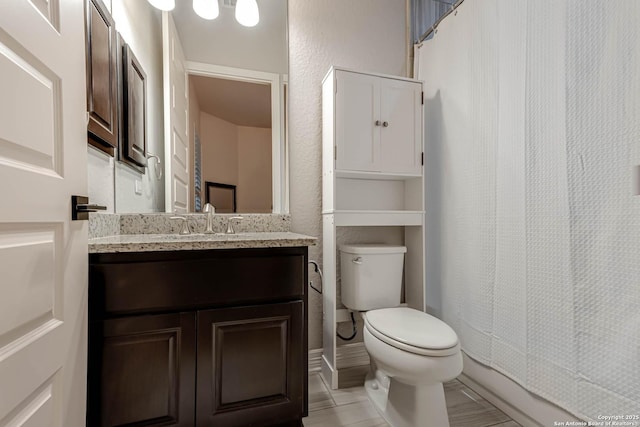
x=422 y=98
x=335 y=152
x=422 y=160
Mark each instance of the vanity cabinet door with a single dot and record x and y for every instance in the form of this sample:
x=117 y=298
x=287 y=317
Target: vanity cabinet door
x=250 y=365
x=143 y=370
x=102 y=77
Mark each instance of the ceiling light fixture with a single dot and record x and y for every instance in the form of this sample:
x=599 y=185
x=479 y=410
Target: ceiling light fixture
x=247 y=13
x=163 y=4
x=206 y=9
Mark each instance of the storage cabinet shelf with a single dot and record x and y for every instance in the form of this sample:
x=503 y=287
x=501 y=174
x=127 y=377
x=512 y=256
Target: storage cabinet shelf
x=376 y=218
x=372 y=175
x=375 y=175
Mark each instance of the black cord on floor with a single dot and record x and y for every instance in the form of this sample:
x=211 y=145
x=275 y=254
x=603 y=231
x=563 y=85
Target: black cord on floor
x=355 y=330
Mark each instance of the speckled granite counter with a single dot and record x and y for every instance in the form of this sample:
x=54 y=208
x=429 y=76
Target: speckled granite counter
x=176 y=242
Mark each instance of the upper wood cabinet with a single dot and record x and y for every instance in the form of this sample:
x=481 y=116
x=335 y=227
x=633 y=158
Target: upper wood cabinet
x=102 y=77
x=378 y=124
x=134 y=110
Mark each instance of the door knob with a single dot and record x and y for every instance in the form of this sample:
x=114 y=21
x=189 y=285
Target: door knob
x=378 y=123
x=385 y=124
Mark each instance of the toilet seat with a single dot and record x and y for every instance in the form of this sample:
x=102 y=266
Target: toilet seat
x=413 y=331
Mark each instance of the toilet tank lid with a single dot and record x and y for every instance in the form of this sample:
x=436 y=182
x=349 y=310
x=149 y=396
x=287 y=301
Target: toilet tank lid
x=366 y=249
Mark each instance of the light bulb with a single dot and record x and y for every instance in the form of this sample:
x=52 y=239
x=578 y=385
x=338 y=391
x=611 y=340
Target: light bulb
x=207 y=9
x=166 y=5
x=247 y=13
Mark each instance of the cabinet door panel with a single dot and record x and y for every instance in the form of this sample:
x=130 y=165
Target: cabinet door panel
x=401 y=138
x=102 y=84
x=250 y=365
x=134 y=115
x=147 y=372
x=357 y=109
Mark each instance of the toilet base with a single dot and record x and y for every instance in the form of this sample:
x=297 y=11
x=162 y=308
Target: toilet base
x=404 y=405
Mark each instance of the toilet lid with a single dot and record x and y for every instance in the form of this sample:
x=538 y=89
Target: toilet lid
x=412 y=328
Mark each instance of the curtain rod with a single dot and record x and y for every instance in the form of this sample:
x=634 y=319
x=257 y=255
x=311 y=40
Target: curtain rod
x=435 y=25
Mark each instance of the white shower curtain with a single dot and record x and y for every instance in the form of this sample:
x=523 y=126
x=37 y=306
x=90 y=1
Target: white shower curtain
x=533 y=229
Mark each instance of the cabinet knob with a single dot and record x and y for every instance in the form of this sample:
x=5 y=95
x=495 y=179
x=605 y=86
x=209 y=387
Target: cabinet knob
x=378 y=123
x=385 y=124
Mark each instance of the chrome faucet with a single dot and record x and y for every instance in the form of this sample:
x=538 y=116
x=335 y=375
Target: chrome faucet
x=209 y=210
x=230 y=229
x=185 y=224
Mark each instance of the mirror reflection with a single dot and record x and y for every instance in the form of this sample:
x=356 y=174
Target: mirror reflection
x=215 y=109
x=233 y=136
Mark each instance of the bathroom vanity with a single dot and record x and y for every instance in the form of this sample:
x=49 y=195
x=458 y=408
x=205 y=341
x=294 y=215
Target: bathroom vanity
x=212 y=336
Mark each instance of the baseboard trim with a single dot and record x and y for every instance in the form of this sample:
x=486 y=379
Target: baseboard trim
x=349 y=355
x=315 y=360
x=522 y=406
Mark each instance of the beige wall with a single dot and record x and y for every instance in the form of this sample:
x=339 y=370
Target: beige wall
x=238 y=155
x=219 y=140
x=367 y=35
x=194 y=127
x=254 y=170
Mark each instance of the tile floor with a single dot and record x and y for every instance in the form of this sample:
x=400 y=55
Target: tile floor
x=349 y=406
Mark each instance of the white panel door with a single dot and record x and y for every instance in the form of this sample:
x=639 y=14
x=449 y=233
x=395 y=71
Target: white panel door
x=401 y=131
x=176 y=95
x=357 y=121
x=43 y=254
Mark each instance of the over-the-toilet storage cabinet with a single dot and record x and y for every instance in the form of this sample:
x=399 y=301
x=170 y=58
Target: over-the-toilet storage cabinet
x=372 y=175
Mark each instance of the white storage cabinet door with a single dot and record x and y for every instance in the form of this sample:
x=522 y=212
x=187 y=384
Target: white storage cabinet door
x=401 y=131
x=357 y=109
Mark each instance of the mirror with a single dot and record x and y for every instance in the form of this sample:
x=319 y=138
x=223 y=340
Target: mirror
x=236 y=80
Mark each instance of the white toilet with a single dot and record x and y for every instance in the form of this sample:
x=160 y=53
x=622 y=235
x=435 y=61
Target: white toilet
x=412 y=353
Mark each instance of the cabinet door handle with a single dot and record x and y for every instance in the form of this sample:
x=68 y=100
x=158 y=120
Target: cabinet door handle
x=385 y=124
x=378 y=123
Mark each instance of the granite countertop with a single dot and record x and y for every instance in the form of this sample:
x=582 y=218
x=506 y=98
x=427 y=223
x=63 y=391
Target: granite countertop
x=176 y=242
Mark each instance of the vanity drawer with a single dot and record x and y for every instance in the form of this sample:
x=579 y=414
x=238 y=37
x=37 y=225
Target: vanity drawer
x=169 y=281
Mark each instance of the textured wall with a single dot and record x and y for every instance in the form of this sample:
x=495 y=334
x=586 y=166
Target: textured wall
x=367 y=35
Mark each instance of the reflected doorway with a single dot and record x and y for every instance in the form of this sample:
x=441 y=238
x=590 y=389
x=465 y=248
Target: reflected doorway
x=231 y=142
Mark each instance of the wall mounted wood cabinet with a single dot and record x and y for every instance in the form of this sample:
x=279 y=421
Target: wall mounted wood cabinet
x=102 y=77
x=133 y=145
x=198 y=338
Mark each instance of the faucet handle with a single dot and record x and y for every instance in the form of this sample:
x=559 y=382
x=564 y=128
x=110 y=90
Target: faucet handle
x=230 y=229
x=185 y=224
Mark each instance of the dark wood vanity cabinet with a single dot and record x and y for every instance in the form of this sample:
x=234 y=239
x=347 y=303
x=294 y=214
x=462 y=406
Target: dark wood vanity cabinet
x=198 y=338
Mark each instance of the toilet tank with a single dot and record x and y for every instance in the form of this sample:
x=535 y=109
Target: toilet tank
x=371 y=276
